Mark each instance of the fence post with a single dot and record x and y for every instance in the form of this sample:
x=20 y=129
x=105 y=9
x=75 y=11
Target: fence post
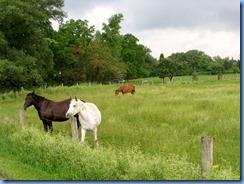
x=207 y=154
x=21 y=116
x=74 y=129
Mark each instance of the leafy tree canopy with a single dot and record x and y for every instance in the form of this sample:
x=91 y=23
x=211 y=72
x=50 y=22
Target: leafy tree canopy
x=23 y=27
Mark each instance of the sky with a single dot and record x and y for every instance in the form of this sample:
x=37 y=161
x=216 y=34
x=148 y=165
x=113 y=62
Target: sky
x=169 y=26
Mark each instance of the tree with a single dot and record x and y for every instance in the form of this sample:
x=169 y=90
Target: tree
x=218 y=67
x=151 y=63
x=24 y=25
x=134 y=54
x=104 y=66
x=180 y=63
x=197 y=60
x=111 y=35
x=21 y=73
x=70 y=34
x=75 y=31
x=163 y=69
x=174 y=65
x=92 y=63
x=236 y=67
x=24 y=22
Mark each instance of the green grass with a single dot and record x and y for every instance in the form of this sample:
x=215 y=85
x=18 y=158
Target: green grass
x=154 y=134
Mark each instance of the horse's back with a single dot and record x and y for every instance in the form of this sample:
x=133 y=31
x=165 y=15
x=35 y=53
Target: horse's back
x=128 y=88
x=95 y=111
x=56 y=110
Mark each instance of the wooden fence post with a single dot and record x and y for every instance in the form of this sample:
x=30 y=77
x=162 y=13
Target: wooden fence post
x=207 y=154
x=21 y=116
x=74 y=129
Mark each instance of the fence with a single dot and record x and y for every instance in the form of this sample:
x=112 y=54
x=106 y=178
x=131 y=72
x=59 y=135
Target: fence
x=147 y=82
x=21 y=115
x=74 y=129
x=207 y=154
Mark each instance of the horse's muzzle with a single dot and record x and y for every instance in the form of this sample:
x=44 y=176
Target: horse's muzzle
x=67 y=115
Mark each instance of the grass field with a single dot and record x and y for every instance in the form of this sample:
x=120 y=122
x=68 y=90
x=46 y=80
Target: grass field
x=154 y=134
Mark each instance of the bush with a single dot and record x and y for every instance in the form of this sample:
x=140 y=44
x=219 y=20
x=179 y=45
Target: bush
x=195 y=77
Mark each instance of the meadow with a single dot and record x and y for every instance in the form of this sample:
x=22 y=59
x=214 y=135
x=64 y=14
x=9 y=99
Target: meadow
x=154 y=134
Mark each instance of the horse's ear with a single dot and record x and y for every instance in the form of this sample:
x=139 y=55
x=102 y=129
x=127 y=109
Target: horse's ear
x=33 y=92
x=76 y=99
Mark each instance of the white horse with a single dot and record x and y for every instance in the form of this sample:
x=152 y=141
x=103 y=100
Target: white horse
x=89 y=117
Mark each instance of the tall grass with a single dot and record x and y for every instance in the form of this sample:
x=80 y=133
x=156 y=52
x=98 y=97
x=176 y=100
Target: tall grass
x=67 y=160
x=154 y=134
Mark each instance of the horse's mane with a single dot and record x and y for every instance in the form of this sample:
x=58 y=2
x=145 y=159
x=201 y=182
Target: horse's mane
x=38 y=96
x=77 y=99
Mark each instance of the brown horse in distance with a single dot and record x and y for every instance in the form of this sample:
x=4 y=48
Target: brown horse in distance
x=125 y=89
x=48 y=110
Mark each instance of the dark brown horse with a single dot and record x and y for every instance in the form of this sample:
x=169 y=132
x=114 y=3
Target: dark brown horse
x=48 y=110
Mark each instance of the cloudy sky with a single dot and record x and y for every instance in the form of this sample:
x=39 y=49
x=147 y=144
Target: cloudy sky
x=169 y=26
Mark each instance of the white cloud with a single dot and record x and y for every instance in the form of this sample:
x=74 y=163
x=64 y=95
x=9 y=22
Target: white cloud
x=99 y=15
x=169 y=26
x=168 y=41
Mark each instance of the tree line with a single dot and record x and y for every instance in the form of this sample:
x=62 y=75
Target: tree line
x=194 y=62
x=32 y=53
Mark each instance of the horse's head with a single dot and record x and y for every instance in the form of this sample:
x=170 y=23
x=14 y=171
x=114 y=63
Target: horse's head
x=29 y=100
x=74 y=107
x=116 y=92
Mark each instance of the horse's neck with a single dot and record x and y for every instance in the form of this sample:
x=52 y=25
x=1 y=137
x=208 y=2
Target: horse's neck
x=40 y=103
x=81 y=102
x=83 y=107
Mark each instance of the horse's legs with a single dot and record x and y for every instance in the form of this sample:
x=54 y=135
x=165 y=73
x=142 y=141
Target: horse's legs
x=95 y=137
x=50 y=126
x=45 y=126
x=78 y=121
x=78 y=124
x=83 y=134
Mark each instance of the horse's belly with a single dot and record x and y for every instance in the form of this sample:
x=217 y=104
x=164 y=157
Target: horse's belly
x=61 y=119
x=91 y=117
x=90 y=123
x=57 y=118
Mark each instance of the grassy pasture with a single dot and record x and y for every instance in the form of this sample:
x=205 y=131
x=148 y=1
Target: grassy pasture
x=155 y=133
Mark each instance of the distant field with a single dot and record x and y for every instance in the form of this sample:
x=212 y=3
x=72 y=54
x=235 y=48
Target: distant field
x=159 y=123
